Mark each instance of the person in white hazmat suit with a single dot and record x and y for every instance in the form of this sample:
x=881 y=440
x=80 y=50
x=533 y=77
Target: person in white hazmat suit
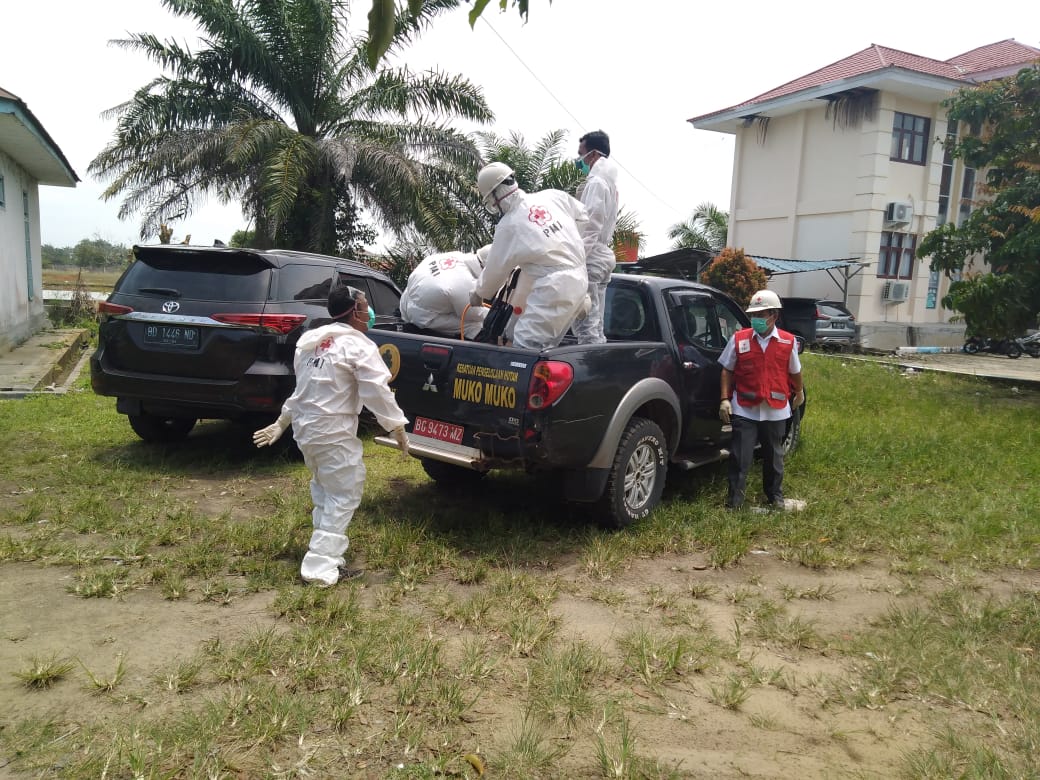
x=436 y=295
x=539 y=232
x=338 y=370
x=598 y=193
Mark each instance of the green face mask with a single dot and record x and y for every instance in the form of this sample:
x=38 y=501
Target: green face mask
x=371 y=317
x=582 y=166
x=760 y=324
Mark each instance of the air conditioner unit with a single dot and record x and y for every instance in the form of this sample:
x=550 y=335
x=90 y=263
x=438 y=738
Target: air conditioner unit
x=899 y=212
x=895 y=292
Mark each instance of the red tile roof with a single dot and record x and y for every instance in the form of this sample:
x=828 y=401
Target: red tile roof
x=876 y=58
x=995 y=55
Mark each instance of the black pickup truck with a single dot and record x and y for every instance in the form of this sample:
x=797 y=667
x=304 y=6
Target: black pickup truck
x=609 y=417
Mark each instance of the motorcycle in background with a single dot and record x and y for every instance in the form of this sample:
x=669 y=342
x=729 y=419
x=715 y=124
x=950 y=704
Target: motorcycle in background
x=1030 y=344
x=1009 y=347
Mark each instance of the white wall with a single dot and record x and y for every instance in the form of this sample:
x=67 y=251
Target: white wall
x=20 y=317
x=814 y=191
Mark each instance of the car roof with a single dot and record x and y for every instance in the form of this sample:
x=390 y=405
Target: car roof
x=275 y=258
x=668 y=283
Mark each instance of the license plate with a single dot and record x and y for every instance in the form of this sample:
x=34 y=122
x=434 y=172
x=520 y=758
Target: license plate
x=172 y=336
x=435 y=429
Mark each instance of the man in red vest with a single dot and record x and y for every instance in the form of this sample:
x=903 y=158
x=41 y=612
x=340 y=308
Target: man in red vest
x=760 y=372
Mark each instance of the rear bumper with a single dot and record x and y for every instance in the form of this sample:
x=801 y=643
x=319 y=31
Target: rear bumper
x=261 y=392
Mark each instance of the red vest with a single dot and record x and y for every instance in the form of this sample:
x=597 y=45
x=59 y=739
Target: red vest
x=763 y=376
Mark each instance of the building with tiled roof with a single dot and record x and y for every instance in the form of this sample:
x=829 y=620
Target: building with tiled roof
x=28 y=158
x=847 y=161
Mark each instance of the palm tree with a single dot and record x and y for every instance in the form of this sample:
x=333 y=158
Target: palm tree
x=280 y=110
x=706 y=229
x=541 y=167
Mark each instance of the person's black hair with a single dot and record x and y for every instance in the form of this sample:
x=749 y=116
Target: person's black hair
x=596 y=141
x=342 y=300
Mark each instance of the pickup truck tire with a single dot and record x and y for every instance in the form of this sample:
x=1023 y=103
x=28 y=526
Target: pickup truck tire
x=449 y=476
x=636 y=478
x=161 y=430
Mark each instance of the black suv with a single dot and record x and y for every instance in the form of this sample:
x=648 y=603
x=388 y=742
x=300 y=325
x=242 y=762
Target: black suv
x=193 y=333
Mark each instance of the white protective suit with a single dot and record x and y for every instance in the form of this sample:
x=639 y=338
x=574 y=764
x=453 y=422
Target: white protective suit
x=598 y=193
x=338 y=369
x=437 y=294
x=541 y=233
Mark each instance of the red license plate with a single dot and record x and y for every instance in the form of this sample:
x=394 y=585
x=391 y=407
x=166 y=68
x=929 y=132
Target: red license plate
x=435 y=429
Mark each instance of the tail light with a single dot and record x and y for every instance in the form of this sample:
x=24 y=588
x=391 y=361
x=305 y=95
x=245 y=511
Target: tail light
x=272 y=323
x=820 y=315
x=549 y=382
x=113 y=308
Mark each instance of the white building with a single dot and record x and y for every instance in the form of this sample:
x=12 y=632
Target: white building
x=847 y=162
x=28 y=158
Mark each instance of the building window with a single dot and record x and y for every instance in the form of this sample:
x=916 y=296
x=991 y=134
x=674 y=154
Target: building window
x=910 y=138
x=967 y=196
x=896 y=256
x=946 y=180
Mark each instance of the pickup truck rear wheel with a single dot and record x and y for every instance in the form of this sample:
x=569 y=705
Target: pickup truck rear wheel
x=636 y=478
x=449 y=476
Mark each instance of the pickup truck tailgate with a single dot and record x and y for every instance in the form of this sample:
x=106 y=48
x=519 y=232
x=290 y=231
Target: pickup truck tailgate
x=460 y=396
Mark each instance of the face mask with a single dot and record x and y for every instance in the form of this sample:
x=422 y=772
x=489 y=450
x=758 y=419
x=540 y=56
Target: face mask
x=371 y=321
x=582 y=166
x=760 y=324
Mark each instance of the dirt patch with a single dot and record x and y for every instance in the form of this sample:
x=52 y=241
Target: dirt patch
x=791 y=723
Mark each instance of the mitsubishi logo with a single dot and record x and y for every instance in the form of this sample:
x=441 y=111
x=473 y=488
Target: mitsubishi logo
x=170 y=306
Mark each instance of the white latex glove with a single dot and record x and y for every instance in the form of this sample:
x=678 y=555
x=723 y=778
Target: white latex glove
x=273 y=432
x=475 y=299
x=798 y=400
x=725 y=410
x=401 y=437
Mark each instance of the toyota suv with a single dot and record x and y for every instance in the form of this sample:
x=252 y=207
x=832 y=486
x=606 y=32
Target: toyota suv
x=193 y=333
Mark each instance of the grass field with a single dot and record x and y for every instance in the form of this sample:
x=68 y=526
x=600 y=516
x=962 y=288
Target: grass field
x=153 y=624
x=69 y=278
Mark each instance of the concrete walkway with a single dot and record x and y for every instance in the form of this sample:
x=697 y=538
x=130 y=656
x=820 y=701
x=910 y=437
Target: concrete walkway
x=1024 y=370
x=44 y=363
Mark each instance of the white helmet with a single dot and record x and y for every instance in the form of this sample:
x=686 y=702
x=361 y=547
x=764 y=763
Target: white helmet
x=488 y=181
x=762 y=300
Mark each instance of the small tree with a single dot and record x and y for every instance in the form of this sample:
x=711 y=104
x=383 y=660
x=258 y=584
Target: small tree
x=735 y=274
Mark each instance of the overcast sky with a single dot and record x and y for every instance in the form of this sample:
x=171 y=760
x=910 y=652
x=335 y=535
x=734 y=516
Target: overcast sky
x=623 y=66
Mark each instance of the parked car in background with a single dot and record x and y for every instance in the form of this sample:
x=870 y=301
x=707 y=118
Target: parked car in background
x=822 y=323
x=193 y=333
x=798 y=316
x=835 y=325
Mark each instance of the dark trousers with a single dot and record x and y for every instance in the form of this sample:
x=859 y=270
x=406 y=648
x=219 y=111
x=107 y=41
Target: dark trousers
x=746 y=434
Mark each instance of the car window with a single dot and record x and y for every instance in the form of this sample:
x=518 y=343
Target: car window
x=304 y=283
x=831 y=311
x=729 y=321
x=627 y=316
x=384 y=298
x=201 y=277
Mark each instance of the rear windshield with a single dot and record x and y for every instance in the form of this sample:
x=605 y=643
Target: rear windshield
x=199 y=277
x=832 y=311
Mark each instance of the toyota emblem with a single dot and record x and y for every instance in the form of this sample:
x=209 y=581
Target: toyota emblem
x=170 y=307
